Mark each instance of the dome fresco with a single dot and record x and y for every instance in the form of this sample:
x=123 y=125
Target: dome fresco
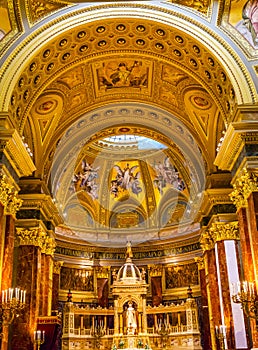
x=119 y=183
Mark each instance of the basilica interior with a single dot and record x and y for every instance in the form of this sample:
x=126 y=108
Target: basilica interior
x=128 y=174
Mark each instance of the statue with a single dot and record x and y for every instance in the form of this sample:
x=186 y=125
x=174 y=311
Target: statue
x=131 y=319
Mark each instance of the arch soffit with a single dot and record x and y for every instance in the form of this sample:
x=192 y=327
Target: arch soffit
x=27 y=50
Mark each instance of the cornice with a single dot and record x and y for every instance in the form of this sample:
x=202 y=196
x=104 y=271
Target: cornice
x=237 y=135
x=13 y=148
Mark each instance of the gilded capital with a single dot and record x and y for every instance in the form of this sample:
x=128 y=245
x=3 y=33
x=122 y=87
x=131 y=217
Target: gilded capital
x=244 y=186
x=37 y=237
x=222 y=231
x=206 y=241
x=8 y=197
x=155 y=270
x=102 y=272
x=200 y=263
x=57 y=267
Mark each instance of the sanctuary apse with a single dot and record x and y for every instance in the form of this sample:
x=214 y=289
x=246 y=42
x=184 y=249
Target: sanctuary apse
x=128 y=175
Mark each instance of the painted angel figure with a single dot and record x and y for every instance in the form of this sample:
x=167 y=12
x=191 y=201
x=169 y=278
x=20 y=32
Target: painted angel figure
x=126 y=179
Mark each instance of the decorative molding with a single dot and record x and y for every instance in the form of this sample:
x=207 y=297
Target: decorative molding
x=243 y=187
x=37 y=237
x=8 y=197
x=13 y=148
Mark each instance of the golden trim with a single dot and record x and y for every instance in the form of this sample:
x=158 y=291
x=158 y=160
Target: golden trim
x=8 y=197
x=221 y=231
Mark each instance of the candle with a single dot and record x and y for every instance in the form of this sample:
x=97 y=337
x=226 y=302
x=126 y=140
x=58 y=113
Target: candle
x=24 y=295
x=43 y=336
x=38 y=335
x=2 y=296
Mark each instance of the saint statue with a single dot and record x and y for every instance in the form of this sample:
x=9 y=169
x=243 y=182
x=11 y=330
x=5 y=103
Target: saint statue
x=131 y=319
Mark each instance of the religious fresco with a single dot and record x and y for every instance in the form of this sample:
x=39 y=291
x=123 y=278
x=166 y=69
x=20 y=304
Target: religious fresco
x=181 y=276
x=166 y=175
x=5 y=26
x=243 y=15
x=116 y=74
x=126 y=179
x=76 y=279
x=87 y=178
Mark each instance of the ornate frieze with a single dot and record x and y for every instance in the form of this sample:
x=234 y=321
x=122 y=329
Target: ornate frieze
x=37 y=237
x=8 y=197
x=244 y=186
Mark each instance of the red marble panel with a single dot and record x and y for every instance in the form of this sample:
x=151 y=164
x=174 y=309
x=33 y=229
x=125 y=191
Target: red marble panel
x=205 y=327
x=28 y=278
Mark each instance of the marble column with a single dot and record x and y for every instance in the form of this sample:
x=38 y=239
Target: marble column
x=211 y=275
x=55 y=284
x=31 y=245
x=205 y=324
x=244 y=196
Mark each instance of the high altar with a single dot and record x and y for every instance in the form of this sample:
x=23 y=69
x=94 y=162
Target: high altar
x=125 y=324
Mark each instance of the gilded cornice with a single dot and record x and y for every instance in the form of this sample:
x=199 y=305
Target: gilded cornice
x=13 y=148
x=238 y=134
x=57 y=267
x=37 y=237
x=222 y=231
x=8 y=197
x=243 y=187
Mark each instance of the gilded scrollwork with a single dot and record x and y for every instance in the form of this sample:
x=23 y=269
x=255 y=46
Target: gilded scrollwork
x=244 y=186
x=37 y=237
x=8 y=197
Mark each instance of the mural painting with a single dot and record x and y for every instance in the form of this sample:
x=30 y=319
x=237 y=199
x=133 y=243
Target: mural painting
x=5 y=26
x=86 y=178
x=75 y=279
x=243 y=15
x=128 y=73
x=166 y=175
x=125 y=179
x=181 y=276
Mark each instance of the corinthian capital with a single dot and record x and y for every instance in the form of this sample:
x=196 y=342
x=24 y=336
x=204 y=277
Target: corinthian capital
x=222 y=231
x=244 y=186
x=37 y=237
x=8 y=197
x=206 y=241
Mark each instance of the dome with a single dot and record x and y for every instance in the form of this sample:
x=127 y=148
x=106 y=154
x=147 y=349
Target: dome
x=129 y=272
x=128 y=183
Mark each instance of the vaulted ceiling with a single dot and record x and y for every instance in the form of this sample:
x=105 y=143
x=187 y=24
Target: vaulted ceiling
x=84 y=73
